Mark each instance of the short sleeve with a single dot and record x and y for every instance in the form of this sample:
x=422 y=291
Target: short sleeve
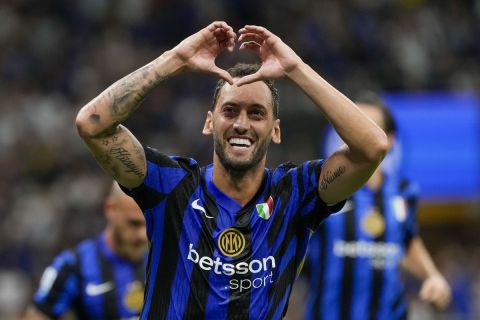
x=304 y=185
x=164 y=173
x=59 y=286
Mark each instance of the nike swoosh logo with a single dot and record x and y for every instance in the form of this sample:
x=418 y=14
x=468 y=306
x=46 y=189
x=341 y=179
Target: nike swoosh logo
x=93 y=289
x=198 y=207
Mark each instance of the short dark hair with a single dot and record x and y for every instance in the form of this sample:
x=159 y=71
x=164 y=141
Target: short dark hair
x=244 y=69
x=373 y=99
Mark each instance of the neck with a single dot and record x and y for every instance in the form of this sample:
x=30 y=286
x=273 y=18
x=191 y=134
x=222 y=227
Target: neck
x=376 y=180
x=238 y=185
x=110 y=240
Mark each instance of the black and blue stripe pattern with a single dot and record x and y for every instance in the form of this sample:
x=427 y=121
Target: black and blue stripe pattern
x=353 y=258
x=93 y=282
x=211 y=258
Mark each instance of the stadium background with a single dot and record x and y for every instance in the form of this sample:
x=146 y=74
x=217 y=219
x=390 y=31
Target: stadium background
x=56 y=55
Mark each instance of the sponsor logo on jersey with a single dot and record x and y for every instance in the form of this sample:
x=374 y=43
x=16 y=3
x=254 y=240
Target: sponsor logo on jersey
x=260 y=270
x=381 y=254
x=231 y=242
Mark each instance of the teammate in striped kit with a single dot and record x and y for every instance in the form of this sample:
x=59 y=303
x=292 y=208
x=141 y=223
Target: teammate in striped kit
x=228 y=239
x=102 y=278
x=354 y=258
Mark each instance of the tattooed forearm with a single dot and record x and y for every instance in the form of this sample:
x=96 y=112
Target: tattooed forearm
x=330 y=176
x=110 y=140
x=124 y=156
x=130 y=91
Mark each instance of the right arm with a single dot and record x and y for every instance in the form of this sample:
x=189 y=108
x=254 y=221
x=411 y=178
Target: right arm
x=115 y=148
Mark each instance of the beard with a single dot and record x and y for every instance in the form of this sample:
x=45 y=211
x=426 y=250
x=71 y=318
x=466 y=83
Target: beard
x=236 y=166
x=131 y=250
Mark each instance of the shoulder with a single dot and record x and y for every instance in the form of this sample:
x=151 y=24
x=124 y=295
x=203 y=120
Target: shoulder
x=86 y=246
x=408 y=188
x=290 y=167
x=155 y=156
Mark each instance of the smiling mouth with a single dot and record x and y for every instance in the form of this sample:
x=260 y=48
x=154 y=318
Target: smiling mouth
x=240 y=142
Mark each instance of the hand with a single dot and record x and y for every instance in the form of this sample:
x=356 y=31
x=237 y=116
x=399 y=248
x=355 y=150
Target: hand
x=199 y=51
x=436 y=290
x=277 y=58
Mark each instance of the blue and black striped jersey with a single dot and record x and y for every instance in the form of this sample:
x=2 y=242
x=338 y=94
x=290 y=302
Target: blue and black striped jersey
x=211 y=258
x=93 y=282
x=353 y=259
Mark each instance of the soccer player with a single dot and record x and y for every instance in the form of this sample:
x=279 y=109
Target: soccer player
x=102 y=278
x=227 y=239
x=354 y=258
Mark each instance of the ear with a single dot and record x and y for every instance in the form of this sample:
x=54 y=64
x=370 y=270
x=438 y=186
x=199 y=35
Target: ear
x=391 y=140
x=108 y=209
x=208 y=126
x=276 y=134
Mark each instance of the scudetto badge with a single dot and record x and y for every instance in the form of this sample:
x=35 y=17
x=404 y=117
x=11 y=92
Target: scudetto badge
x=231 y=242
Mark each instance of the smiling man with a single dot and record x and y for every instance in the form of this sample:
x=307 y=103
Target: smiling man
x=228 y=239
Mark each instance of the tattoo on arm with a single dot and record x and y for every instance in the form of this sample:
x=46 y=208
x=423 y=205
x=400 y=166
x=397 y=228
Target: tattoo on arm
x=330 y=177
x=132 y=90
x=122 y=154
x=110 y=140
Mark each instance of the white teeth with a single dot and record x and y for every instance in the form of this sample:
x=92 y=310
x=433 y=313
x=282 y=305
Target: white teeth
x=240 y=142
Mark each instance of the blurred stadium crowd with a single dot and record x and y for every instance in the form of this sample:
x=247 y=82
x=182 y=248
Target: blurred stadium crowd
x=56 y=55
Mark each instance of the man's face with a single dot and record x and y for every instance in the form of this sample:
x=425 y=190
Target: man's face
x=242 y=125
x=128 y=225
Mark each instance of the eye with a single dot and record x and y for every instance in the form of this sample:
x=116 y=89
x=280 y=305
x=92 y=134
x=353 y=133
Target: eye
x=229 y=111
x=257 y=114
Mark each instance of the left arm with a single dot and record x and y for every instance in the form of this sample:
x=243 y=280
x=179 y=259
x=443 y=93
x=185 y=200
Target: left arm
x=435 y=288
x=366 y=144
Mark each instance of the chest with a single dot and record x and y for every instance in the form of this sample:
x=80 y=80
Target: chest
x=110 y=290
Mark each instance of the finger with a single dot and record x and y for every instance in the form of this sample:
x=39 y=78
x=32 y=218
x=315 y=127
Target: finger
x=218 y=25
x=232 y=37
x=222 y=74
x=251 y=37
x=250 y=45
x=263 y=32
x=248 y=79
x=226 y=38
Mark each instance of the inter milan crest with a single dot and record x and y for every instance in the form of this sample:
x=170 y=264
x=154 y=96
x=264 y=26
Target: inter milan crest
x=231 y=242
x=373 y=223
x=265 y=209
x=133 y=297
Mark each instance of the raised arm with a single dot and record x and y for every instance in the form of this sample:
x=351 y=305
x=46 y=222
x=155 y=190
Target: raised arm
x=366 y=144
x=115 y=148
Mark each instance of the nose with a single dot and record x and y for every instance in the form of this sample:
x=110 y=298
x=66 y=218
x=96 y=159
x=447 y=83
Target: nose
x=241 y=122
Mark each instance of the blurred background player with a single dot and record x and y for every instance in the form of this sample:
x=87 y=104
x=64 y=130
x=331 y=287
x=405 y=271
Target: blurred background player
x=354 y=257
x=101 y=278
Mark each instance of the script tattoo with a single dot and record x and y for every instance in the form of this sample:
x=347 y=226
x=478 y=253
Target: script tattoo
x=330 y=176
x=124 y=157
